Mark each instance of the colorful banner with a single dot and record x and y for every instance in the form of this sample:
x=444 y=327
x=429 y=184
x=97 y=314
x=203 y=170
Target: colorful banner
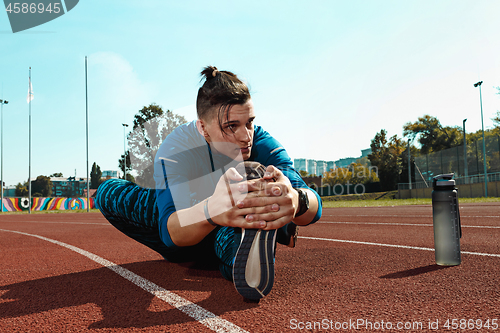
x=39 y=204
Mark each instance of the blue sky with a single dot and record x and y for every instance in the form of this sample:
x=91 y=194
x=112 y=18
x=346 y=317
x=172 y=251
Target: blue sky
x=326 y=76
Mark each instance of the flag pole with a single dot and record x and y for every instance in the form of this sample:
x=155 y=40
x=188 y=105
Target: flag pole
x=29 y=172
x=87 y=134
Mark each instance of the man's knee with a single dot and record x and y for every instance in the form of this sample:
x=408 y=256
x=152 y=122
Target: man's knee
x=103 y=193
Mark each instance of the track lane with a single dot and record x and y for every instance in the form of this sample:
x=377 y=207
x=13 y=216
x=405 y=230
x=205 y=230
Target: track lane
x=314 y=281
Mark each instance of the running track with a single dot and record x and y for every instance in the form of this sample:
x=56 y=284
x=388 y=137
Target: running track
x=370 y=266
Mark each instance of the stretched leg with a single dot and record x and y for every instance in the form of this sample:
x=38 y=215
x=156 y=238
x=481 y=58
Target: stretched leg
x=226 y=243
x=132 y=210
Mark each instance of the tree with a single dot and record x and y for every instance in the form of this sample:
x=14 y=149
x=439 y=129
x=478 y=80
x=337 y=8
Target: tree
x=355 y=173
x=496 y=120
x=432 y=136
x=386 y=156
x=129 y=165
x=22 y=190
x=151 y=127
x=41 y=187
x=95 y=176
x=130 y=178
x=56 y=174
x=303 y=173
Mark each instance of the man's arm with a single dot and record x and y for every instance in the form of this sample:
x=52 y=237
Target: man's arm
x=311 y=212
x=281 y=193
x=189 y=226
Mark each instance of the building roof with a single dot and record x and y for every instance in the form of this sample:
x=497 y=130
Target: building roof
x=65 y=179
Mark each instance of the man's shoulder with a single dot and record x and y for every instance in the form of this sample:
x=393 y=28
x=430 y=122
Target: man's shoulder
x=262 y=139
x=185 y=137
x=267 y=150
x=184 y=141
x=183 y=132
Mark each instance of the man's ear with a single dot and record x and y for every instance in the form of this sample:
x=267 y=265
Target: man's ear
x=200 y=125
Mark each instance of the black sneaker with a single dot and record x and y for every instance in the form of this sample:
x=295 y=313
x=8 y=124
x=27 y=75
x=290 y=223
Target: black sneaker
x=253 y=269
x=287 y=235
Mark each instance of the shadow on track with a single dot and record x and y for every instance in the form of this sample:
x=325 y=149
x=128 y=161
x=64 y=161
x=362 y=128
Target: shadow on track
x=414 y=272
x=122 y=303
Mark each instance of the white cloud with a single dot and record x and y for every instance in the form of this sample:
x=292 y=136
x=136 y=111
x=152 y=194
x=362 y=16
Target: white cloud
x=115 y=84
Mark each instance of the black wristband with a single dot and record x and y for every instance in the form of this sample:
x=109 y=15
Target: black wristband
x=303 y=202
x=207 y=215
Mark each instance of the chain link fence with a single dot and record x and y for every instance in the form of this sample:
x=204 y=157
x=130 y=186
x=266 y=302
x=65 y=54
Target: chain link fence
x=467 y=170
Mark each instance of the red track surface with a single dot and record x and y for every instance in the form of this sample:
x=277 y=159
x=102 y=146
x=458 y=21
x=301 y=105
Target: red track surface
x=45 y=287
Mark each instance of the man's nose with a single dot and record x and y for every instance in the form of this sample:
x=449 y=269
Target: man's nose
x=244 y=135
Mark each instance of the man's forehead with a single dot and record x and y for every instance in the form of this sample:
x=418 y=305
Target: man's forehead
x=240 y=112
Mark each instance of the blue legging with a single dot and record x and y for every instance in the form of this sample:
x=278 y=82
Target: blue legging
x=133 y=210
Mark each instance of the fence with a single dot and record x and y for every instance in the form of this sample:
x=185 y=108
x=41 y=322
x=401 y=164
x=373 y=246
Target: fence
x=38 y=204
x=452 y=161
x=468 y=169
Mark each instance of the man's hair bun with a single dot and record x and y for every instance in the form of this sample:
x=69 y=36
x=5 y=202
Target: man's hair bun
x=210 y=72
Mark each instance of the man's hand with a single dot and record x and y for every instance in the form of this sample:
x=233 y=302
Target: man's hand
x=271 y=199
x=225 y=205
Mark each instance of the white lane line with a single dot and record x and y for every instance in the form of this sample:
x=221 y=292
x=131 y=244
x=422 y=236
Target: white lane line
x=395 y=215
x=195 y=311
x=58 y=222
x=393 y=245
x=412 y=224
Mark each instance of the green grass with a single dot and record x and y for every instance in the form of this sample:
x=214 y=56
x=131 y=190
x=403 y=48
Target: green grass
x=376 y=203
x=95 y=210
x=381 y=199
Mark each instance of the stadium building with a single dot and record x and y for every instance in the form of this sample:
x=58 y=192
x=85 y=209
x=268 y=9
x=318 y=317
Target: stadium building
x=319 y=167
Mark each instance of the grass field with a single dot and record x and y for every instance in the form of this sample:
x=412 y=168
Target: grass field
x=387 y=199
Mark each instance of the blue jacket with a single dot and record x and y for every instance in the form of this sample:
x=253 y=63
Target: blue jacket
x=186 y=170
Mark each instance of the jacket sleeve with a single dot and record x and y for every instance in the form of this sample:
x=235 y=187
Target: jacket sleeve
x=269 y=151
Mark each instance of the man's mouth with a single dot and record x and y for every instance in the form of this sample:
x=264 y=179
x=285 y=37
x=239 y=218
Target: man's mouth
x=245 y=150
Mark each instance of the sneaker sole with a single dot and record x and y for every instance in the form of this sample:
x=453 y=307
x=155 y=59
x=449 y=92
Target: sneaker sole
x=253 y=269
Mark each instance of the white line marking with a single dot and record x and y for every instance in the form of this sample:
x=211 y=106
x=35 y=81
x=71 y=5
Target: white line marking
x=411 y=224
x=395 y=215
x=393 y=245
x=195 y=311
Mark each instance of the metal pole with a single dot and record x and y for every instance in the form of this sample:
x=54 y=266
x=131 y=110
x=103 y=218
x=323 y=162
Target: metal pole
x=124 y=154
x=465 y=154
x=29 y=172
x=409 y=167
x=484 y=148
x=87 y=134
x=1 y=176
x=478 y=84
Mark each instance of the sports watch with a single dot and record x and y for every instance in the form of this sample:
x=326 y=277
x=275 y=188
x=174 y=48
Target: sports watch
x=303 y=202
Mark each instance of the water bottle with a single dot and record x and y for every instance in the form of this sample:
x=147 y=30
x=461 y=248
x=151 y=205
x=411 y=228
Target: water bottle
x=446 y=220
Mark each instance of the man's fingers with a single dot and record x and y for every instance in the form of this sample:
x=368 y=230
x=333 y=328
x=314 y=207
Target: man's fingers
x=273 y=173
x=252 y=185
x=278 y=223
x=233 y=175
x=249 y=212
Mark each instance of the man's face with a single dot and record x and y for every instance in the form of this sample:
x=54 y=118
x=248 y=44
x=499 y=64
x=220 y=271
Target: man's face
x=238 y=126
